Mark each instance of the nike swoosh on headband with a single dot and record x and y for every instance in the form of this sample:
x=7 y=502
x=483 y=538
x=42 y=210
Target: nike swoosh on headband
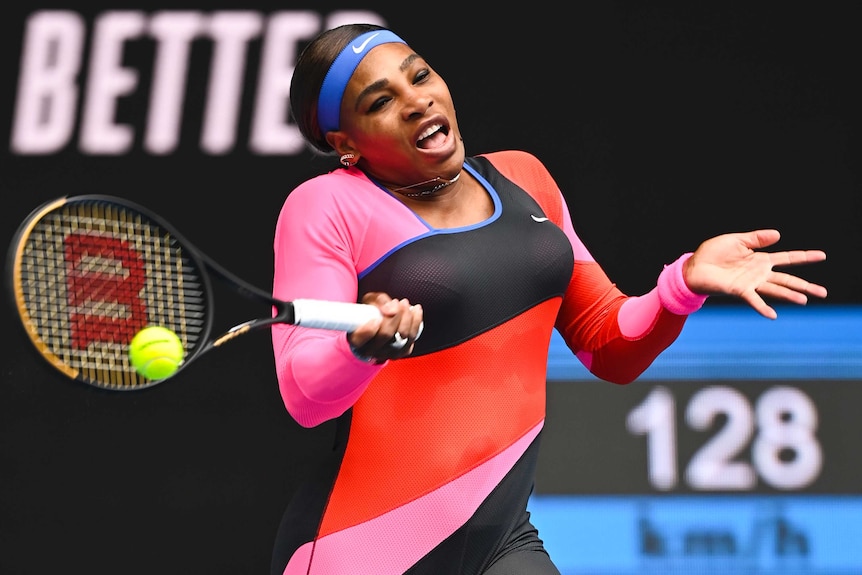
x=538 y=219
x=361 y=47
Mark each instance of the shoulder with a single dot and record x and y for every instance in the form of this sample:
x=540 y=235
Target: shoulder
x=334 y=190
x=514 y=159
x=340 y=197
x=323 y=186
x=521 y=167
x=526 y=170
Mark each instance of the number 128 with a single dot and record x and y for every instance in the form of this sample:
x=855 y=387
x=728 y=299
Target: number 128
x=780 y=427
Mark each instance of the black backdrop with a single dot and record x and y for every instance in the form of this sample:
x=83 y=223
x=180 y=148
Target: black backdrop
x=664 y=124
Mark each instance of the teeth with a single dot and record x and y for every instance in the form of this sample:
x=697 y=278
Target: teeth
x=429 y=131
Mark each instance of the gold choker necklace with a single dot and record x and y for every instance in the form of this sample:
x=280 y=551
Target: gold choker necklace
x=436 y=188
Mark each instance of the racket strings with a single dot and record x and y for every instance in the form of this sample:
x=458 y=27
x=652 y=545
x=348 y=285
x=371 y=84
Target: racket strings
x=92 y=275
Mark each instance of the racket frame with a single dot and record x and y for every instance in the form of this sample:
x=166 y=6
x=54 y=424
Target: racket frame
x=315 y=313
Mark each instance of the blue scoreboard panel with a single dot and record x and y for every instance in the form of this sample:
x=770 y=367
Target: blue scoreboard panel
x=738 y=451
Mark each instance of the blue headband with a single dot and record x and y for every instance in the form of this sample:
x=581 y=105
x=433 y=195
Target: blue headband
x=335 y=82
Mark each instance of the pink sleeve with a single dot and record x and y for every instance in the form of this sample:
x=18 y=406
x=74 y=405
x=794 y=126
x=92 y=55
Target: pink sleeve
x=324 y=238
x=318 y=376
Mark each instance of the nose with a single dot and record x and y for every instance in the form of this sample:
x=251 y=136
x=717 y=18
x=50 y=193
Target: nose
x=418 y=103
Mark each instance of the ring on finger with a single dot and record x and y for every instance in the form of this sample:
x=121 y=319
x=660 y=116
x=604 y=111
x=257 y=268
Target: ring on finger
x=398 y=341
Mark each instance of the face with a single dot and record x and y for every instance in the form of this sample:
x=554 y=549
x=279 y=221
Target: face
x=397 y=113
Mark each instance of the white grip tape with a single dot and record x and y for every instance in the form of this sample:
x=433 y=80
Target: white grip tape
x=336 y=315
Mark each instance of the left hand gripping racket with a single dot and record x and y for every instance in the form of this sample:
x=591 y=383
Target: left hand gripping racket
x=88 y=272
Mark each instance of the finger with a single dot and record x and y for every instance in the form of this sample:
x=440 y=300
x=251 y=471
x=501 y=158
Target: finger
x=760 y=238
x=364 y=333
x=398 y=341
x=418 y=320
x=409 y=325
x=395 y=336
x=797 y=284
x=377 y=298
x=796 y=257
x=779 y=292
x=754 y=300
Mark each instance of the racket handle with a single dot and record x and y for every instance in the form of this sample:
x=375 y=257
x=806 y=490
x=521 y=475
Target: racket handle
x=336 y=315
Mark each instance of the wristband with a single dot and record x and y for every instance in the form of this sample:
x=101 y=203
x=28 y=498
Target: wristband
x=674 y=294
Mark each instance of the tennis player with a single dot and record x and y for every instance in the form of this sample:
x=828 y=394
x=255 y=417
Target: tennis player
x=439 y=423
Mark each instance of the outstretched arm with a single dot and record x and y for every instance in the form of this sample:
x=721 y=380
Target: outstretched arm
x=618 y=336
x=728 y=264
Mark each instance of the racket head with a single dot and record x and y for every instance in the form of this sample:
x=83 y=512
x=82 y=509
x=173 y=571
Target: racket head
x=88 y=272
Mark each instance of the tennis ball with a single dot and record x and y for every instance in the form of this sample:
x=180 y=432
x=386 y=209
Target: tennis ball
x=156 y=352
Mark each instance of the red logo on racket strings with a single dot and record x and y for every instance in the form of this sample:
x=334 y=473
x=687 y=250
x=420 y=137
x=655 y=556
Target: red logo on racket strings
x=104 y=278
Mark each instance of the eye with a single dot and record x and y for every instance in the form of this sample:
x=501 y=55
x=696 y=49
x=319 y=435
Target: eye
x=421 y=76
x=378 y=103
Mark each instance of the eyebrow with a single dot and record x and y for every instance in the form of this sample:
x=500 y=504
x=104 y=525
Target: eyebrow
x=380 y=84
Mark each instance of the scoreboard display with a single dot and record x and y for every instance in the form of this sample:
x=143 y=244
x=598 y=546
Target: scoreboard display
x=737 y=451
x=712 y=436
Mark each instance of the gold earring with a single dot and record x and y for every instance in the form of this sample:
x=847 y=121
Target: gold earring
x=345 y=160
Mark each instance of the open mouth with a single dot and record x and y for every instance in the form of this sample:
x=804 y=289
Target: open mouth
x=433 y=137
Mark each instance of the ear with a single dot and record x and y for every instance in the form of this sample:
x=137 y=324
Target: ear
x=340 y=142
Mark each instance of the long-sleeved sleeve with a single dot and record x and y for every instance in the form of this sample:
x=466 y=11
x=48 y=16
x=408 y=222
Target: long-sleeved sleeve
x=318 y=376
x=328 y=233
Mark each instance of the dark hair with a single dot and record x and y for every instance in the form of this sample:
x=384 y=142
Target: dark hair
x=311 y=68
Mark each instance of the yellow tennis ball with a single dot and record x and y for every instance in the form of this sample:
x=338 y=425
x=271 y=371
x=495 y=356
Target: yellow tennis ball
x=156 y=352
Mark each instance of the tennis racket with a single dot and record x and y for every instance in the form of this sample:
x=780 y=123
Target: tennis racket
x=88 y=272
